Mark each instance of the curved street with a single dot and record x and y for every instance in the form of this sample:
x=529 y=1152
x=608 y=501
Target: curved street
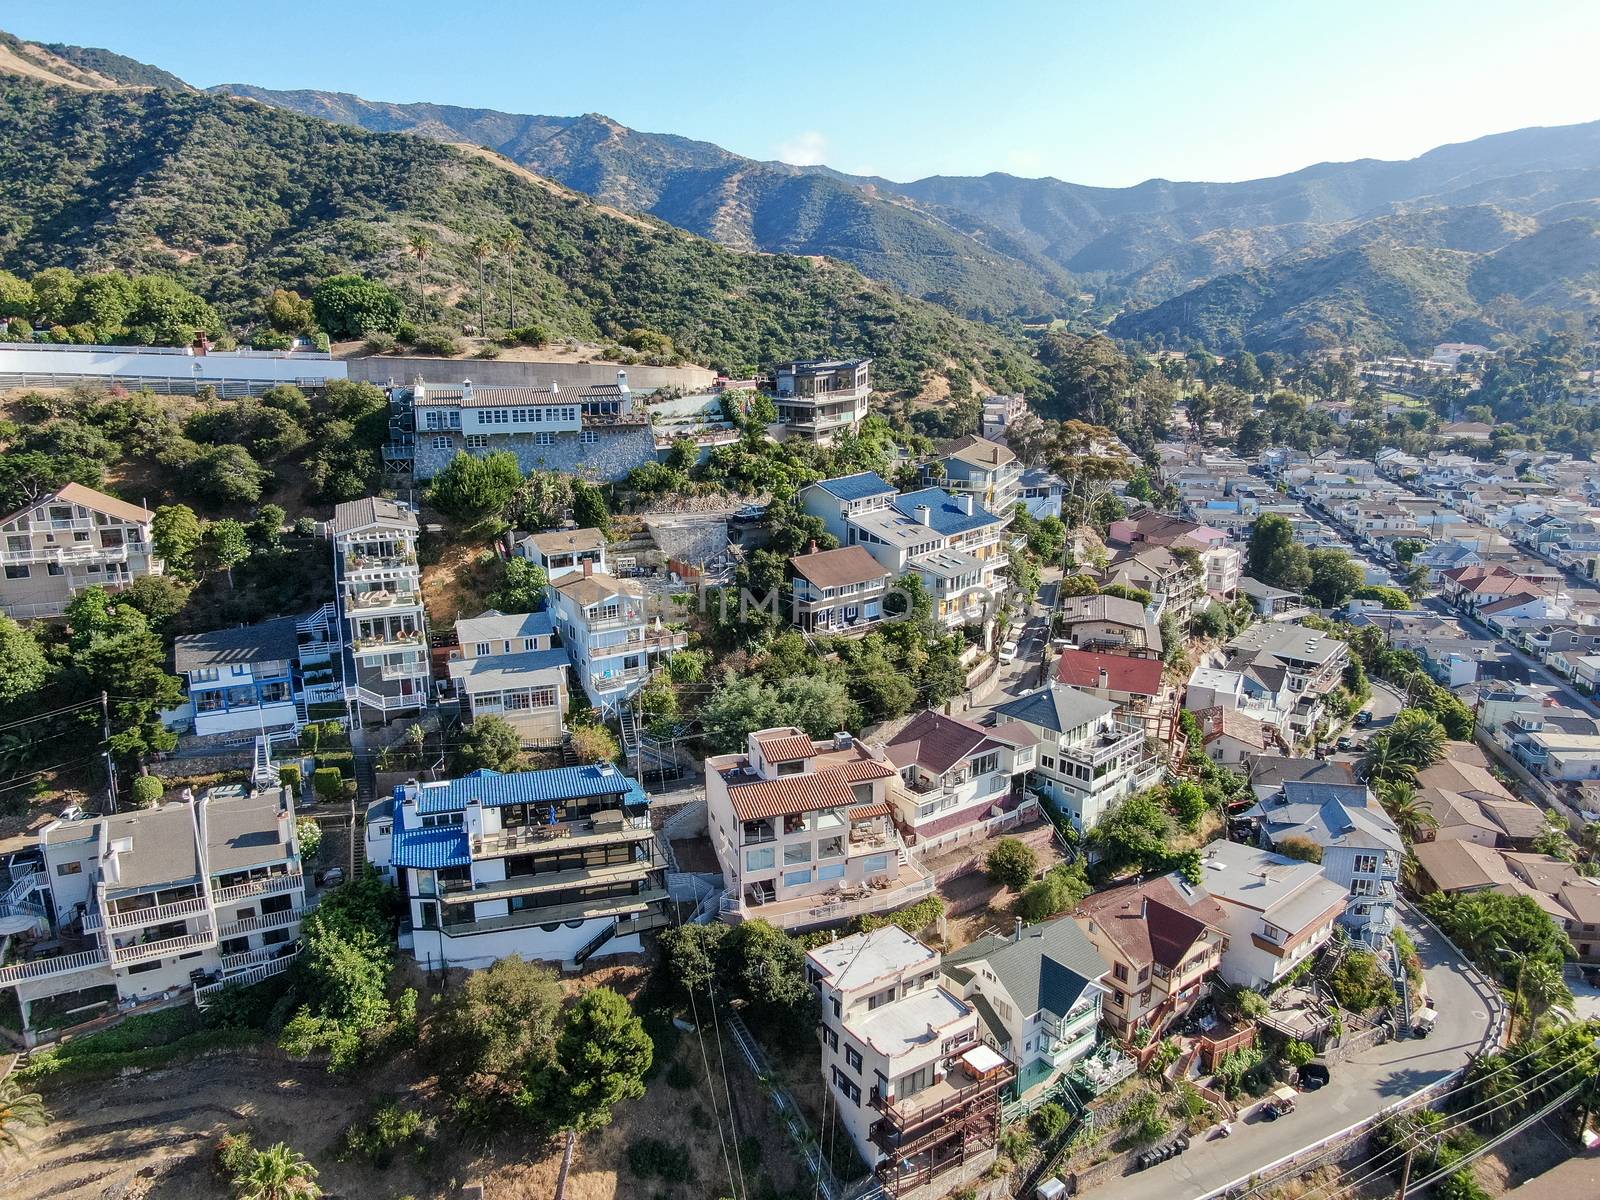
x=1371 y=1081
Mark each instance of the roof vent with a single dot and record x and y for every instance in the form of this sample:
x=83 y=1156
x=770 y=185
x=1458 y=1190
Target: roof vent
x=843 y=740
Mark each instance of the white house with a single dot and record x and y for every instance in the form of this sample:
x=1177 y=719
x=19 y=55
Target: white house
x=1277 y=911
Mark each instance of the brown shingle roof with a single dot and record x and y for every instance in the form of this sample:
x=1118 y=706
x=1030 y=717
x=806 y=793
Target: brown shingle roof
x=1152 y=922
x=836 y=568
x=76 y=493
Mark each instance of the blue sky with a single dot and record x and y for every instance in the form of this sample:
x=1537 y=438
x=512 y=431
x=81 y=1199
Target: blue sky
x=1095 y=93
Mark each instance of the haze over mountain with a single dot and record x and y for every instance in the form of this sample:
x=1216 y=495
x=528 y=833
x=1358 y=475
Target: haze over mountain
x=1373 y=253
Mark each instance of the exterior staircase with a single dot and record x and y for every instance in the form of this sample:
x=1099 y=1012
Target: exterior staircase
x=1402 y=987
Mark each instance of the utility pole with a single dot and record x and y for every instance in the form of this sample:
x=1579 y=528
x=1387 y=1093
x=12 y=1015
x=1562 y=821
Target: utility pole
x=105 y=741
x=1405 y=1172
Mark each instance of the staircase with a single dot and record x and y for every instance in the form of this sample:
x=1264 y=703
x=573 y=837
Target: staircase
x=592 y=946
x=1402 y=987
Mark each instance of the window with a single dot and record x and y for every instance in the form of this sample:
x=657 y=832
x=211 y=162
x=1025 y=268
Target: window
x=831 y=1038
x=153 y=965
x=852 y=1056
x=54 y=569
x=69 y=868
x=1120 y=971
x=588 y=437
x=480 y=649
x=1367 y=864
x=876 y=864
x=477 y=441
x=1271 y=931
x=797 y=878
x=760 y=860
x=544 y=439
x=847 y=1086
x=441 y=443
x=17 y=571
x=798 y=853
x=833 y=871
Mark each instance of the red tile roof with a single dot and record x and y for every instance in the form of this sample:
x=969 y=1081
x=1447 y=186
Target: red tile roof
x=831 y=787
x=787 y=748
x=1081 y=668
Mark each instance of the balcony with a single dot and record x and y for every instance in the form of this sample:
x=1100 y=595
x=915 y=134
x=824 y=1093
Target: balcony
x=610 y=681
x=43 y=968
x=70 y=554
x=386 y=644
x=234 y=963
x=565 y=834
x=157 y=914
x=274 y=920
x=382 y=598
x=1112 y=740
x=125 y=956
x=623 y=620
x=270 y=885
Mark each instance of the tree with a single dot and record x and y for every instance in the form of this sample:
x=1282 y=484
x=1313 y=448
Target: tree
x=19 y=1110
x=286 y=312
x=111 y=648
x=589 y=507
x=499 y=1025
x=227 y=475
x=159 y=597
x=226 y=544
x=147 y=791
x=602 y=1055
x=352 y=306
x=419 y=245
x=23 y=669
x=493 y=745
x=1299 y=847
x=1187 y=802
x=1417 y=738
x=1360 y=982
x=1274 y=557
x=1335 y=576
x=1062 y=887
x=472 y=487
x=175 y=532
x=1012 y=862
x=483 y=250
x=277 y=1173
x=508 y=243
x=522 y=586
x=593 y=744
x=1405 y=808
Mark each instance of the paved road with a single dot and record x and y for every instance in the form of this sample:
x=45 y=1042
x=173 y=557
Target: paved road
x=1371 y=1081
x=1535 y=668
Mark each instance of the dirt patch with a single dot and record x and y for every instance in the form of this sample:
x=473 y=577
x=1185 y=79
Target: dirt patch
x=696 y=855
x=458 y=584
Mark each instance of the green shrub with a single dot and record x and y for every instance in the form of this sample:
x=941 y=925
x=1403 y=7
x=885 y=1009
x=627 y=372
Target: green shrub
x=1012 y=862
x=437 y=341
x=147 y=790
x=913 y=918
x=390 y=1128
x=652 y=1158
x=290 y=777
x=1049 y=1121
x=329 y=784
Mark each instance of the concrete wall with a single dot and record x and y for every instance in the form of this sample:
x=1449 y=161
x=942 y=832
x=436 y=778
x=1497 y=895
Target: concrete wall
x=490 y=372
x=620 y=449
x=161 y=362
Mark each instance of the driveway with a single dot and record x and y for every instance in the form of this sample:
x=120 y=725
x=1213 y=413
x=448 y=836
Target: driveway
x=1359 y=1088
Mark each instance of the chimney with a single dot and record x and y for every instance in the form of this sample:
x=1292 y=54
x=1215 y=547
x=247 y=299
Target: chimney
x=1104 y=681
x=466 y=390
x=419 y=391
x=1144 y=907
x=555 y=388
x=994 y=455
x=811 y=546
x=924 y=514
x=1019 y=929
x=588 y=567
x=622 y=381
x=966 y=502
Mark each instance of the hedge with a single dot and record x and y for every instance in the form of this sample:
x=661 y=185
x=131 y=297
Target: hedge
x=913 y=918
x=342 y=760
x=329 y=783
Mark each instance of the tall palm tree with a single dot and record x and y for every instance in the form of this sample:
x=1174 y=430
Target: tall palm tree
x=420 y=246
x=1544 y=991
x=483 y=251
x=278 y=1173
x=1383 y=764
x=1417 y=738
x=510 y=241
x=19 y=1110
x=1406 y=809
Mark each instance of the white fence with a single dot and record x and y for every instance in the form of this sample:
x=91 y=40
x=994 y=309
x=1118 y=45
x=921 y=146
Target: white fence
x=164 y=368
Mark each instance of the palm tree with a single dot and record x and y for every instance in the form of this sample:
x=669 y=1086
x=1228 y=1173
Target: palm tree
x=1406 y=809
x=1544 y=991
x=1383 y=764
x=278 y=1173
x=510 y=242
x=1417 y=739
x=483 y=250
x=421 y=246
x=19 y=1110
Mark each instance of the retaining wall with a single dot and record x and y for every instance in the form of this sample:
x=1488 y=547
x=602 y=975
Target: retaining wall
x=489 y=372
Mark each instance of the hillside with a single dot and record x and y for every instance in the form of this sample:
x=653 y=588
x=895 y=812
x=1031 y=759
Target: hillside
x=235 y=198
x=742 y=203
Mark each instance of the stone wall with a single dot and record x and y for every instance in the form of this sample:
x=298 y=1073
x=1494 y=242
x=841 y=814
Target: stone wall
x=488 y=372
x=618 y=450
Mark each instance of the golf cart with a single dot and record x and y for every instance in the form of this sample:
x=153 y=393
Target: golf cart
x=1279 y=1104
x=1423 y=1021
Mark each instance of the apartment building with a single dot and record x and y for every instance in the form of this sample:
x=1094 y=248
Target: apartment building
x=804 y=830
x=608 y=636
x=820 y=398
x=1162 y=938
x=978 y=467
x=559 y=865
x=1000 y=413
x=1132 y=684
x=915 y=1086
x=68 y=540
x=838 y=592
x=1088 y=758
x=596 y=431
x=1361 y=848
x=506 y=666
x=1173 y=585
x=245 y=679
x=1311 y=662
x=563 y=552
x=1276 y=911
x=837 y=502
x=152 y=903
x=378 y=594
x=956 y=776
x=1038 y=994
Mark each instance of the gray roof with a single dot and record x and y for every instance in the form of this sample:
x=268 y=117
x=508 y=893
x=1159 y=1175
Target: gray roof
x=372 y=510
x=163 y=847
x=1057 y=708
x=1047 y=969
x=270 y=641
x=1328 y=814
x=494 y=625
x=492 y=672
x=243 y=832
x=1274 y=770
x=1274 y=639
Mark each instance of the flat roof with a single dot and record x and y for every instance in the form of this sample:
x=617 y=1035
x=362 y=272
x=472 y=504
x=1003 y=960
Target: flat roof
x=913 y=1021
x=862 y=959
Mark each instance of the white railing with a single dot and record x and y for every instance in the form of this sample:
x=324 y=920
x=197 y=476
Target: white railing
x=267 y=886
x=387 y=703
x=76 y=552
x=254 y=975
x=140 y=951
x=233 y=963
x=41 y=968
x=839 y=910
x=155 y=914
x=276 y=920
x=21 y=886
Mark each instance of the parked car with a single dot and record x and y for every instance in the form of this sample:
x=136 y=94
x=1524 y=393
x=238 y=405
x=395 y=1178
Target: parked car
x=1345 y=743
x=1008 y=652
x=1589 y=814
x=1314 y=1075
x=1363 y=718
